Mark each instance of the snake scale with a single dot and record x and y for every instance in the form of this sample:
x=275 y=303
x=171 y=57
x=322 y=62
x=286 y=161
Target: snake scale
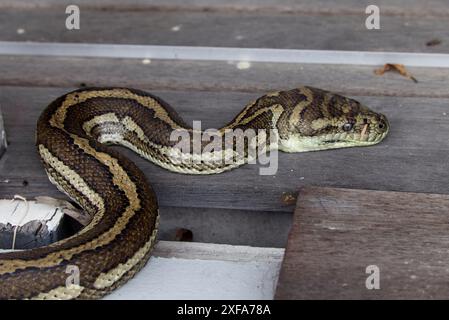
x=72 y=137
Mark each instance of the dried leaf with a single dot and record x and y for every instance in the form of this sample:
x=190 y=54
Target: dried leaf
x=400 y=68
x=288 y=198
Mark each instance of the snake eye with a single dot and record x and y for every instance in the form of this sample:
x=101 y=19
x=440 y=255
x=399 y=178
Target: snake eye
x=381 y=125
x=347 y=126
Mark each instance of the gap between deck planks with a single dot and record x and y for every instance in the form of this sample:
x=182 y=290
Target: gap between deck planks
x=413 y=158
x=338 y=233
x=222 y=29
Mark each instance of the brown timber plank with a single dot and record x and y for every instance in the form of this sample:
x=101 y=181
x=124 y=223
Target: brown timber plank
x=413 y=158
x=337 y=233
x=228 y=29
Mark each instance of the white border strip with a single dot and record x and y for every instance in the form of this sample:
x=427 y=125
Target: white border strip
x=223 y=54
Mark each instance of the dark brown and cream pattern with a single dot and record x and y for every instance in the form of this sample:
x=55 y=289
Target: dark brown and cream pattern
x=72 y=134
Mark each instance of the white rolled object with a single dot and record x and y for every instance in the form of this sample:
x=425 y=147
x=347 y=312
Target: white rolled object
x=27 y=224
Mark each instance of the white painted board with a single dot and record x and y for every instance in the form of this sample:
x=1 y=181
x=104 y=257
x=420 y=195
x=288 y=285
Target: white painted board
x=199 y=271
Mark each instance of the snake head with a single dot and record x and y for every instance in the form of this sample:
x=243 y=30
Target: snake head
x=323 y=120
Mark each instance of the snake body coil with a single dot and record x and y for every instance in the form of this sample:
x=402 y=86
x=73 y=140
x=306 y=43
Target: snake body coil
x=71 y=137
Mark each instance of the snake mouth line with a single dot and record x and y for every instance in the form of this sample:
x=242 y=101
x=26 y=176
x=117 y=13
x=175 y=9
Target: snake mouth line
x=362 y=138
x=354 y=140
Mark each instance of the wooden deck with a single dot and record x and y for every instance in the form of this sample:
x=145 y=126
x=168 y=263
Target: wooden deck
x=340 y=234
x=405 y=26
x=238 y=207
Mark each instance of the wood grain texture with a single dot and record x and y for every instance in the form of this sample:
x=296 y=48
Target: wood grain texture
x=414 y=157
x=204 y=251
x=337 y=233
x=388 y=7
x=217 y=76
x=257 y=30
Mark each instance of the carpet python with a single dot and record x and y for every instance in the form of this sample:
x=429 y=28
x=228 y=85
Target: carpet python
x=72 y=137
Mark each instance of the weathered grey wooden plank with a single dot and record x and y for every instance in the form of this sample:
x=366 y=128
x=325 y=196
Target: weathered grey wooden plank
x=388 y=7
x=217 y=76
x=413 y=158
x=338 y=233
x=272 y=30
